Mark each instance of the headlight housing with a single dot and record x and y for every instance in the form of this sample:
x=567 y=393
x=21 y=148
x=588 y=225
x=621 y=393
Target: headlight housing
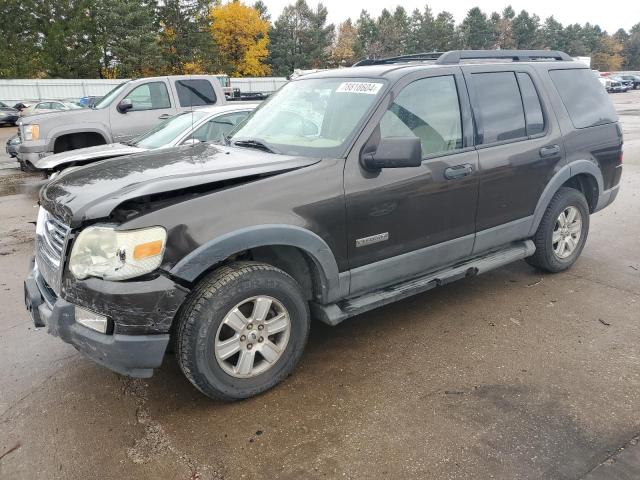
x=31 y=132
x=111 y=254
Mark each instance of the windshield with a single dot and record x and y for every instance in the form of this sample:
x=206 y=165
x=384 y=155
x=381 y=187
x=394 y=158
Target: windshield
x=169 y=130
x=311 y=117
x=109 y=97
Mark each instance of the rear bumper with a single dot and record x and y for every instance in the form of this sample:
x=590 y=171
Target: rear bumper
x=132 y=355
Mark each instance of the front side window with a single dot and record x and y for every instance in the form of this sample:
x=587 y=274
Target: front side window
x=196 y=92
x=169 y=130
x=110 y=97
x=218 y=127
x=149 y=96
x=501 y=110
x=428 y=109
x=312 y=116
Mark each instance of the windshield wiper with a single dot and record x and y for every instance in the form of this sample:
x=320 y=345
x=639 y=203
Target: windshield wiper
x=254 y=143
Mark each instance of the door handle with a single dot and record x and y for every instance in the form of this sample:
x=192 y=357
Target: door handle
x=164 y=116
x=458 y=171
x=549 y=151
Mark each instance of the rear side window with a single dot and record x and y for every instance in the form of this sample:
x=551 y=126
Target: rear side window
x=584 y=98
x=500 y=106
x=196 y=92
x=532 y=108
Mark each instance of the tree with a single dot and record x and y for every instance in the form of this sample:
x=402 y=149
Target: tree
x=242 y=38
x=185 y=43
x=504 y=29
x=525 y=31
x=607 y=57
x=476 y=30
x=393 y=30
x=125 y=33
x=65 y=47
x=552 y=35
x=422 y=31
x=20 y=55
x=300 y=39
x=445 y=34
x=262 y=10
x=368 y=43
x=343 y=53
x=631 y=49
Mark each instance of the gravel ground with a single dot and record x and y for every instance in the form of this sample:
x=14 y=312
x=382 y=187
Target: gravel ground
x=511 y=375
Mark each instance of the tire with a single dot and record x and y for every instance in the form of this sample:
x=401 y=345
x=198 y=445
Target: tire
x=207 y=315
x=553 y=257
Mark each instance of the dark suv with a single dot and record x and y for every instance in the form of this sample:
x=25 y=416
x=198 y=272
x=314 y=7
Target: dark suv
x=347 y=190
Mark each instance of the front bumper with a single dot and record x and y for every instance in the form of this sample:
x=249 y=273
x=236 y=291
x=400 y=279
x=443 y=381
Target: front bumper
x=9 y=118
x=33 y=150
x=133 y=355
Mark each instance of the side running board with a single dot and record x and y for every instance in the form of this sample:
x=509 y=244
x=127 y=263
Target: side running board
x=335 y=313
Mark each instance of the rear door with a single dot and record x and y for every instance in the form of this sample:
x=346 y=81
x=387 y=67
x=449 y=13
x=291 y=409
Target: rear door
x=152 y=103
x=519 y=146
x=404 y=222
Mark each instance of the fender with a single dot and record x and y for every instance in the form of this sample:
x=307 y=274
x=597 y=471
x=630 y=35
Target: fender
x=215 y=251
x=565 y=173
x=77 y=128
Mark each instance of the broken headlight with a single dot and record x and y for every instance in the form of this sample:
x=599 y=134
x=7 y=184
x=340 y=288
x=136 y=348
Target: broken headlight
x=111 y=254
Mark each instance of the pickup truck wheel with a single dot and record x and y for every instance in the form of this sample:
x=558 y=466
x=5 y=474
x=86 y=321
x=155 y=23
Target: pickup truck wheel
x=242 y=330
x=562 y=232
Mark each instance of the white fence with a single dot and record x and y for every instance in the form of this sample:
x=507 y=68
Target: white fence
x=12 y=91
x=16 y=90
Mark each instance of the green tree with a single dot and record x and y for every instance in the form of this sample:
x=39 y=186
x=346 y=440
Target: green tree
x=20 y=55
x=552 y=35
x=631 y=49
x=368 y=42
x=445 y=34
x=422 y=31
x=300 y=39
x=525 y=31
x=476 y=30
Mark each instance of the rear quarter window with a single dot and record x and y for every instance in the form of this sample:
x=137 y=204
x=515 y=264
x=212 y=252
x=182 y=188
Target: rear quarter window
x=196 y=92
x=584 y=97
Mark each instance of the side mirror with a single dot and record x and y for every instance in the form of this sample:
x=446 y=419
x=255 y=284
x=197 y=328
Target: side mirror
x=393 y=152
x=125 y=105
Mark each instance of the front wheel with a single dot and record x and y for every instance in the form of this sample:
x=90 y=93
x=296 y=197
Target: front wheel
x=562 y=232
x=242 y=330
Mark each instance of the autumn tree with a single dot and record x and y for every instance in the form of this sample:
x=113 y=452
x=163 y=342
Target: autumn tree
x=242 y=39
x=343 y=52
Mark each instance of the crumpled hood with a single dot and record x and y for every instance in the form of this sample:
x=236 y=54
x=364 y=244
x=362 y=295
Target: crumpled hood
x=99 y=152
x=93 y=191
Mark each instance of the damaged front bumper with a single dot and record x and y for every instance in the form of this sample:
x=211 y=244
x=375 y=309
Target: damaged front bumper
x=133 y=355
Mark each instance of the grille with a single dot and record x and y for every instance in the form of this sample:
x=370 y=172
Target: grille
x=51 y=241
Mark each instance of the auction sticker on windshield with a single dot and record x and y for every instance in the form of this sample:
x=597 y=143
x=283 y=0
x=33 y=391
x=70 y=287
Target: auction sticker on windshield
x=369 y=88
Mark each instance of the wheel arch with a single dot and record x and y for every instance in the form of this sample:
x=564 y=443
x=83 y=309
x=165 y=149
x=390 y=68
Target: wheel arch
x=284 y=246
x=85 y=137
x=584 y=175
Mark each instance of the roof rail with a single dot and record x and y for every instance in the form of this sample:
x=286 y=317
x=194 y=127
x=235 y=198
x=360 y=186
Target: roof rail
x=455 y=56
x=415 y=57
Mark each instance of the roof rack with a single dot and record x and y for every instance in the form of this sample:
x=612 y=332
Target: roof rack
x=454 y=57
x=415 y=57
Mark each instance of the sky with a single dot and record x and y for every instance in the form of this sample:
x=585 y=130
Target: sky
x=625 y=14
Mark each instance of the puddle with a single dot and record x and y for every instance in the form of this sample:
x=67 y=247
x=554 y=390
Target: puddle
x=25 y=183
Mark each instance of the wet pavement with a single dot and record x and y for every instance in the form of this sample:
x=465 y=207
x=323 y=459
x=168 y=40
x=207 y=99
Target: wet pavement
x=511 y=375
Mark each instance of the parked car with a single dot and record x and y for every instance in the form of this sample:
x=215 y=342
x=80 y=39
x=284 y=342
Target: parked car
x=48 y=106
x=209 y=124
x=131 y=108
x=89 y=101
x=12 y=146
x=345 y=191
x=634 y=80
x=623 y=86
x=8 y=115
x=606 y=83
x=20 y=106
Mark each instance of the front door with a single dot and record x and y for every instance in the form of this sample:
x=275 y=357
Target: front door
x=409 y=221
x=151 y=104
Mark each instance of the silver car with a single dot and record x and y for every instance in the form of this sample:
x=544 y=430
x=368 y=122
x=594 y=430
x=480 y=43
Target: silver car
x=209 y=124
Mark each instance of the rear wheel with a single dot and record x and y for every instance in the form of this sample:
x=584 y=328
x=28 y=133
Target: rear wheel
x=562 y=232
x=242 y=331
